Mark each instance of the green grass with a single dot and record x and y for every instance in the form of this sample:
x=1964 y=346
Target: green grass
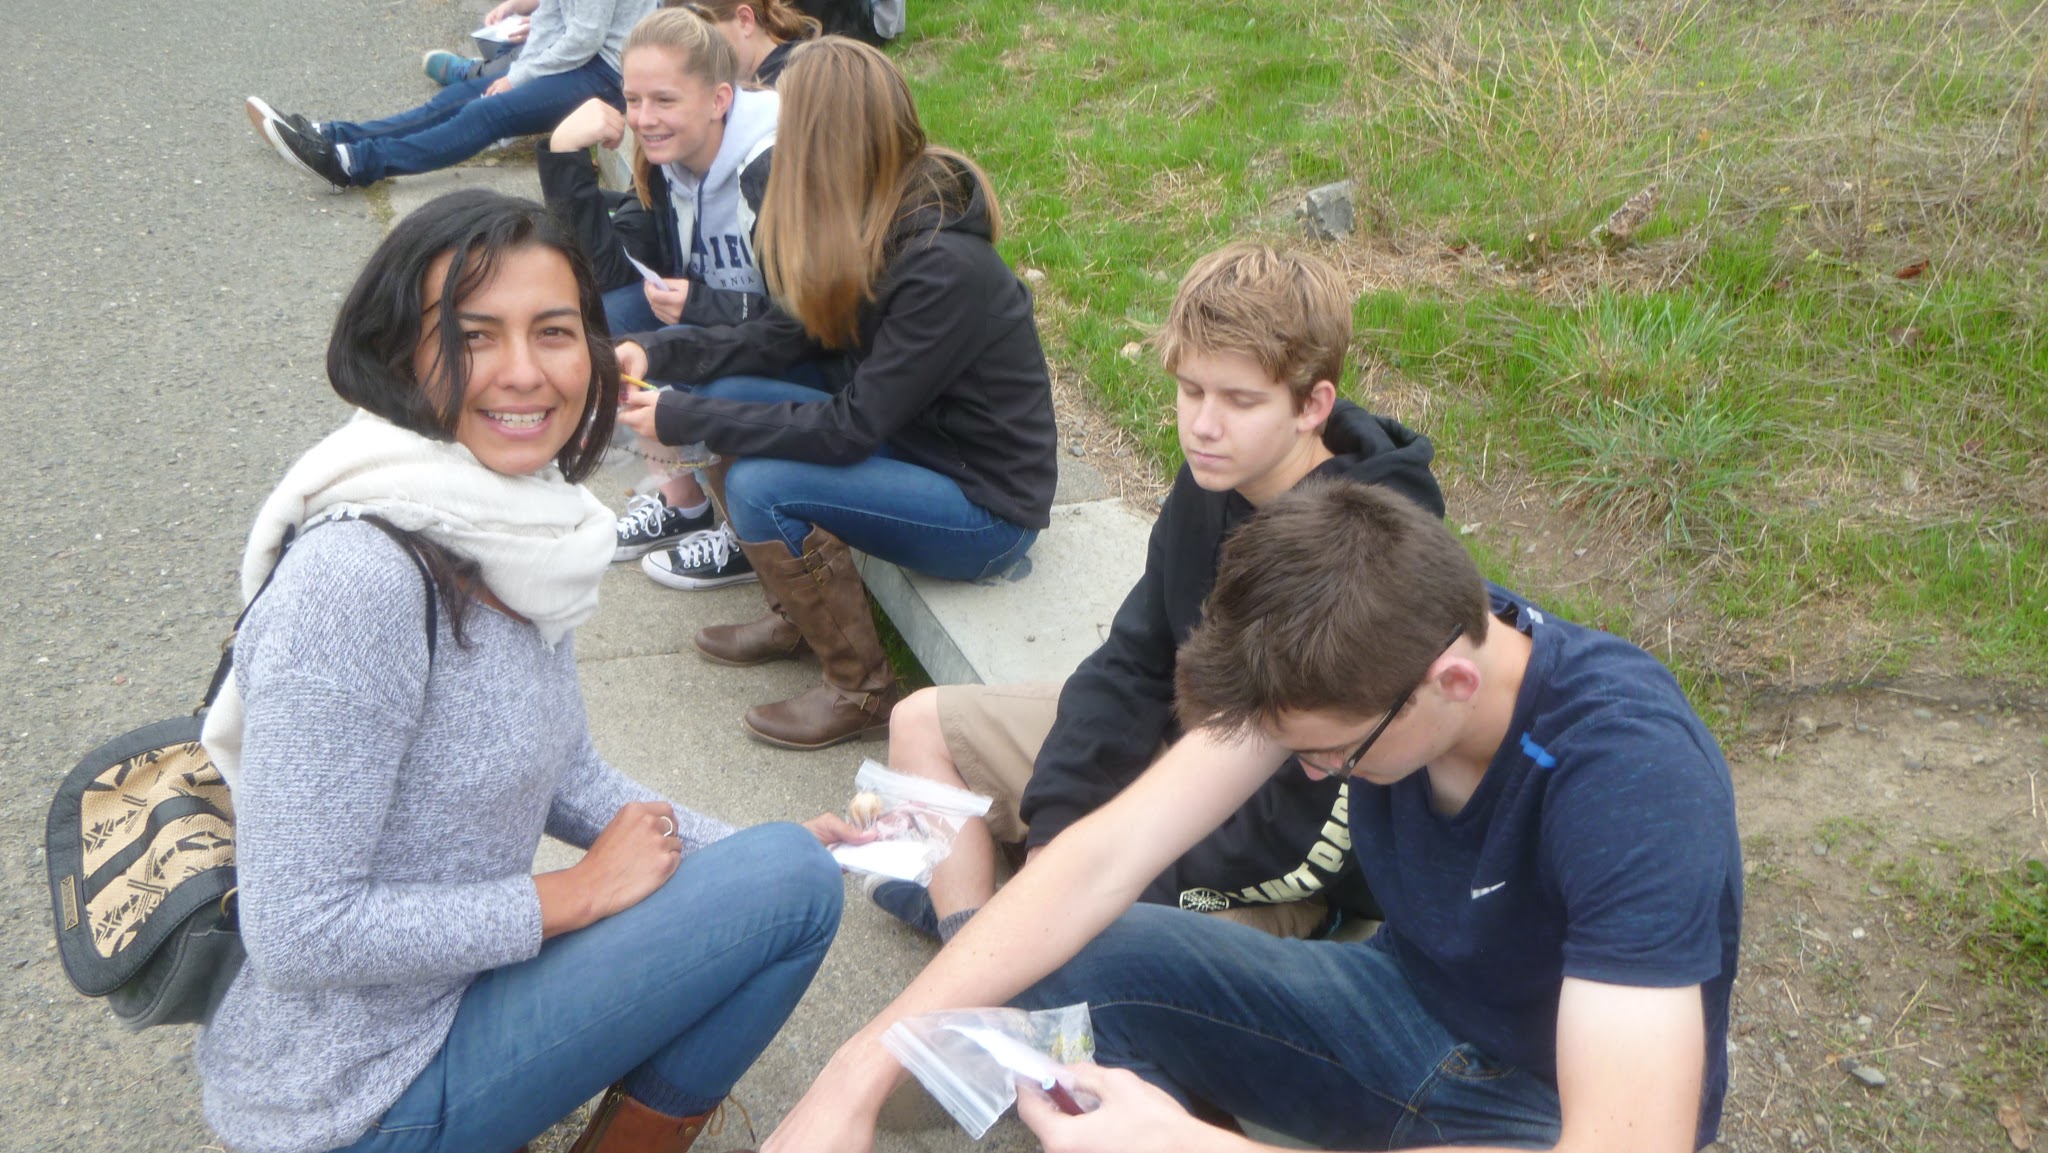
x=1791 y=433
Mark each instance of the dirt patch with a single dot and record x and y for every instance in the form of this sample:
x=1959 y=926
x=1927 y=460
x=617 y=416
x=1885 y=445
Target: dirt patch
x=1862 y=1019
x=1376 y=263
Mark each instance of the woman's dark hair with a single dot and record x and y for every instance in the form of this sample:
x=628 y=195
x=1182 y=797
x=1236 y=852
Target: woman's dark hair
x=370 y=355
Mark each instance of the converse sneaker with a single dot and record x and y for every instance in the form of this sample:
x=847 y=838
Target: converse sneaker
x=704 y=560
x=307 y=151
x=260 y=113
x=445 y=68
x=650 y=523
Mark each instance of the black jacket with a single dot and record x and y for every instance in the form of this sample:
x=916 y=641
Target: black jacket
x=608 y=225
x=947 y=371
x=1116 y=711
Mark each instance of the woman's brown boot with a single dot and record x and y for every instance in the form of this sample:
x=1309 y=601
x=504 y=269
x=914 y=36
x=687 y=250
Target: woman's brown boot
x=774 y=637
x=619 y=1124
x=822 y=593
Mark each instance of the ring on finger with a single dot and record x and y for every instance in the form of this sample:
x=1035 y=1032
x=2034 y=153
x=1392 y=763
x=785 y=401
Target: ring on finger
x=668 y=827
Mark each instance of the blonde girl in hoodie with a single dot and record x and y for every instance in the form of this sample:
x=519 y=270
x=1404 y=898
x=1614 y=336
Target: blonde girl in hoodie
x=701 y=154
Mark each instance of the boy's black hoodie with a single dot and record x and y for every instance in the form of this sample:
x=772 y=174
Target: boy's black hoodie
x=948 y=371
x=1289 y=840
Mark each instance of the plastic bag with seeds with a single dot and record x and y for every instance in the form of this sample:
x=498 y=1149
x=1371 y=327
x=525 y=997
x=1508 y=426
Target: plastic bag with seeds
x=914 y=820
x=969 y=1059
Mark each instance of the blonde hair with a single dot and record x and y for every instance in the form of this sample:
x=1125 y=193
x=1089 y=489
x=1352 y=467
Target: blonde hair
x=1288 y=311
x=851 y=160
x=779 y=20
x=701 y=50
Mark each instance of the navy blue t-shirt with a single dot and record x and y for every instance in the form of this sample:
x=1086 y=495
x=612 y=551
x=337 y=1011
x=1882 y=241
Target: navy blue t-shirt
x=1600 y=844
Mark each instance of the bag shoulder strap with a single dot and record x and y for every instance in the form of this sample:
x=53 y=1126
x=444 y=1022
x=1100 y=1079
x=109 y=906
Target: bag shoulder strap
x=227 y=646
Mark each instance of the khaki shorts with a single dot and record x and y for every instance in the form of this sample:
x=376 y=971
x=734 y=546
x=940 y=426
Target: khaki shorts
x=994 y=732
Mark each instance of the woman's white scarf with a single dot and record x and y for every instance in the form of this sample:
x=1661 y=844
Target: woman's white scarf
x=542 y=543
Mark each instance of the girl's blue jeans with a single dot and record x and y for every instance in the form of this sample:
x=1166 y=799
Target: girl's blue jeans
x=460 y=121
x=675 y=997
x=888 y=508
x=1324 y=1041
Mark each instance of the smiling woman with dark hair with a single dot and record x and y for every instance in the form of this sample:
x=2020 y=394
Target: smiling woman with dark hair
x=397 y=751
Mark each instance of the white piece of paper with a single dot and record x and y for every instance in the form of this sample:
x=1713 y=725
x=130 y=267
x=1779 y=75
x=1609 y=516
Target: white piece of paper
x=647 y=274
x=501 y=32
x=902 y=860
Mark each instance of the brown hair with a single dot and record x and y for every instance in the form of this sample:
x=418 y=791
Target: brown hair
x=1288 y=311
x=851 y=160
x=1336 y=597
x=701 y=50
x=779 y=20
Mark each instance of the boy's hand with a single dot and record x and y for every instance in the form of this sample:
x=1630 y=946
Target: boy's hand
x=593 y=122
x=500 y=85
x=1134 y=1117
x=833 y=829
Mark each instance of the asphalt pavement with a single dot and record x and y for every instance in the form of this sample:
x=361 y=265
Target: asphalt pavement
x=169 y=285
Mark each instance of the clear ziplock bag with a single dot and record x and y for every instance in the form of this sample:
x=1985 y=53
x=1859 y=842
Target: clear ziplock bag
x=969 y=1059
x=915 y=823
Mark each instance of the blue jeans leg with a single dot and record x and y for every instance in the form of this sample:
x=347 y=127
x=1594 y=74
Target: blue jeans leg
x=1321 y=1040
x=887 y=508
x=626 y=311
x=675 y=997
x=460 y=122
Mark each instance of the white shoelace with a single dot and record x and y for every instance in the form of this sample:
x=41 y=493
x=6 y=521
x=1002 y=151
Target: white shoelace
x=709 y=547
x=643 y=515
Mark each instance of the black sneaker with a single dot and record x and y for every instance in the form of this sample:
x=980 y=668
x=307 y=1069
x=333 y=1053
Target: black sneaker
x=703 y=560
x=650 y=523
x=308 y=151
x=260 y=112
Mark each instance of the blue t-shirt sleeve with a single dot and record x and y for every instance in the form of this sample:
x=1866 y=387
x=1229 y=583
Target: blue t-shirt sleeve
x=1636 y=840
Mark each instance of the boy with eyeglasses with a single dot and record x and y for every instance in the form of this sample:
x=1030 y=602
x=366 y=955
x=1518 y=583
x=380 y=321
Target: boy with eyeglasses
x=1256 y=341
x=1545 y=819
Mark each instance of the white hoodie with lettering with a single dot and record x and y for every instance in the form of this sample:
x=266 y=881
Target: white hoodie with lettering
x=712 y=215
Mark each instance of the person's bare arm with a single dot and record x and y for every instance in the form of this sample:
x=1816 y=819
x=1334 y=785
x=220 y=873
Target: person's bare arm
x=1083 y=880
x=1629 y=1063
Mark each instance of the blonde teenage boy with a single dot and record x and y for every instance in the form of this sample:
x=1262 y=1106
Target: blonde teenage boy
x=1256 y=340
x=1547 y=823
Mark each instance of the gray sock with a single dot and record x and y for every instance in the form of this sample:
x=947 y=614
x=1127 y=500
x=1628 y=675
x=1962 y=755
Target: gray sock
x=953 y=924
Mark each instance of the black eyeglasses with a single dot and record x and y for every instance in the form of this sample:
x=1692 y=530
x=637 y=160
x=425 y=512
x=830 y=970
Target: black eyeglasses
x=1364 y=746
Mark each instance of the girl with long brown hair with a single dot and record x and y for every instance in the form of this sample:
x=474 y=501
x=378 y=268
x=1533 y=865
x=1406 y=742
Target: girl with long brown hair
x=937 y=453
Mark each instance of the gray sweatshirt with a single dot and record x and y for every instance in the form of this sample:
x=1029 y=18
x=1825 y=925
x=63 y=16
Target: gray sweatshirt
x=385 y=832
x=565 y=34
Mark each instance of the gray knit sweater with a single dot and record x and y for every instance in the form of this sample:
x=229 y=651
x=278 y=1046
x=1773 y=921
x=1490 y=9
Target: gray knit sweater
x=385 y=832
x=566 y=33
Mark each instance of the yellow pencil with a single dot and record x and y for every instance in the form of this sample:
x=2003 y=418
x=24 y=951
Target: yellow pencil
x=636 y=382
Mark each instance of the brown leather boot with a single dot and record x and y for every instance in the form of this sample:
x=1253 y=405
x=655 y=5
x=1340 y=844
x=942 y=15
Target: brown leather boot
x=770 y=638
x=620 y=1124
x=822 y=593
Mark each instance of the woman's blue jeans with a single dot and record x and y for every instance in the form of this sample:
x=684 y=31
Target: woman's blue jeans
x=626 y=311
x=675 y=997
x=460 y=121
x=889 y=508
x=1321 y=1040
